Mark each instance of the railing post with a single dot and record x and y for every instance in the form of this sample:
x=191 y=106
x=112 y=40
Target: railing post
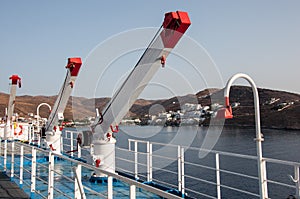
x=179 y=167
x=39 y=137
x=109 y=187
x=149 y=162
x=132 y=194
x=264 y=178
x=182 y=172
x=12 y=160
x=79 y=191
x=218 y=180
x=21 y=165
x=297 y=178
x=78 y=151
x=51 y=176
x=5 y=156
x=135 y=160
x=33 y=172
x=129 y=145
x=72 y=147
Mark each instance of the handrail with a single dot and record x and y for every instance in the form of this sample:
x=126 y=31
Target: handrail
x=221 y=170
x=152 y=157
x=109 y=174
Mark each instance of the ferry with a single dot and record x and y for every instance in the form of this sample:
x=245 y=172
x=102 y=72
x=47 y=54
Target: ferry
x=85 y=163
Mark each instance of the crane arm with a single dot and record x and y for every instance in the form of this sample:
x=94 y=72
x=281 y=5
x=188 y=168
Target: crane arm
x=15 y=80
x=174 y=26
x=56 y=114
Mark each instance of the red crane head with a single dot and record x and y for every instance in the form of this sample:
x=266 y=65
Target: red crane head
x=15 y=79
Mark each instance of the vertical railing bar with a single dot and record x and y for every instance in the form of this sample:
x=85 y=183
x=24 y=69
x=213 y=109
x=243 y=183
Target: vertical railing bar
x=218 y=179
x=21 y=165
x=179 y=166
x=12 y=160
x=135 y=160
x=5 y=156
x=150 y=161
x=78 y=184
x=109 y=187
x=129 y=144
x=132 y=193
x=265 y=180
x=78 y=151
x=33 y=173
x=51 y=176
x=182 y=172
x=72 y=147
x=297 y=178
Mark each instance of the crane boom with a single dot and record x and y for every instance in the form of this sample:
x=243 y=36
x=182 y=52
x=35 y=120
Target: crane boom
x=52 y=131
x=56 y=114
x=15 y=80
x=103 y=143
x=174 y=26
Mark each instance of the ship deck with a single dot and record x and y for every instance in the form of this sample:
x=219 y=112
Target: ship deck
x=9 y=189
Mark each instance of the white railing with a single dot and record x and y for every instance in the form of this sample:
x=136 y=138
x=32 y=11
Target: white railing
x=35 y=174
x=215 y=169
x=143 y=160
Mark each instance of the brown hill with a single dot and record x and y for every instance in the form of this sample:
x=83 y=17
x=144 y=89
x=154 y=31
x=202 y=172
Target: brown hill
x=271 y=115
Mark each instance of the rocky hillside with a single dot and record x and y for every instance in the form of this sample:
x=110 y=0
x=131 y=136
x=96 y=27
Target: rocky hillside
x=278 y=109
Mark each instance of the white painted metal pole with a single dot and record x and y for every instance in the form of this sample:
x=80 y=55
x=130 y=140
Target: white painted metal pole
x=79 y=191
x=182 y=172
x=38 y=114
x=33 y=172
x=135 y=160
x=148 y=161
x=51 y=176
x=129 y=145
x=78 y=170
x=218 y=176
x=297 y=178
x=109 y=187
x=12 y=160
x=21 y=165
x=179 y=167
x=263 y=187
x=132 y=194
x=5 y=156
x=72 y=147
x=79 y=151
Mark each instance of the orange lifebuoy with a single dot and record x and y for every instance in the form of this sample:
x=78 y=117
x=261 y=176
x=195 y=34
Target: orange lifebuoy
x=18 y=130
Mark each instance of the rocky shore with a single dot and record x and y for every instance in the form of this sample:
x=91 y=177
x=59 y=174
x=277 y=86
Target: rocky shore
x=279 y=109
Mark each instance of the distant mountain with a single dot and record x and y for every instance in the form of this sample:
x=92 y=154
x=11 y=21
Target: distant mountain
x=271 y=103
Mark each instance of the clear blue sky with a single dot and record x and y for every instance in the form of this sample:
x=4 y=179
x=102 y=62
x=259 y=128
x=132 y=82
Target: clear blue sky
x=260 y=38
